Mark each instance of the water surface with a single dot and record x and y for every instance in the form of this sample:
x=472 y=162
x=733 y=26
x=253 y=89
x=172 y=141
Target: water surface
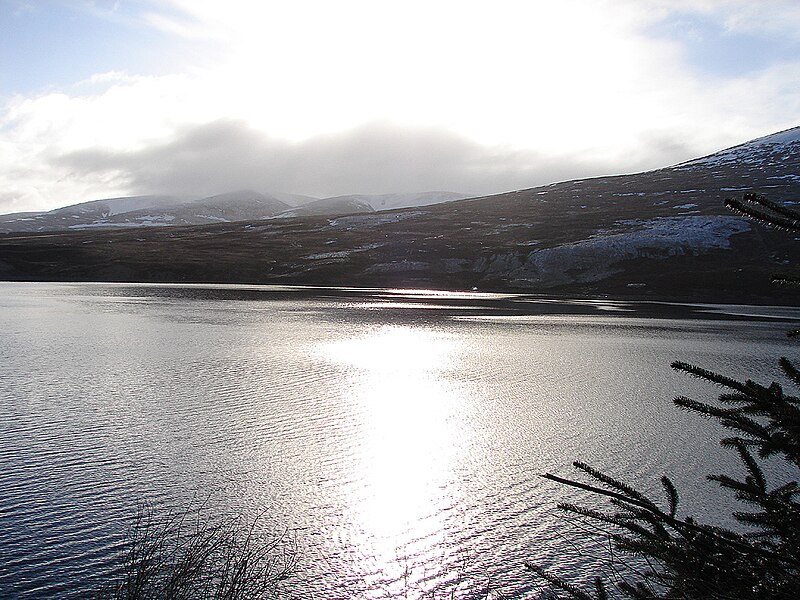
x=397 y=436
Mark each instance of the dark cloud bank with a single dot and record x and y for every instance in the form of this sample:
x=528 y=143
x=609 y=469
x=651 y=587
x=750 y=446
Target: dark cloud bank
x=377 y=158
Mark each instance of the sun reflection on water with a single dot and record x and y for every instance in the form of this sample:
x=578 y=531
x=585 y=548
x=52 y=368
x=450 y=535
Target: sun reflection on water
x=410 y=434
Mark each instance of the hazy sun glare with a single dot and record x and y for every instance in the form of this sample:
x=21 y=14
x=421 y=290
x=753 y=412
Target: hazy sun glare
x=311 y=67
x=496 y=96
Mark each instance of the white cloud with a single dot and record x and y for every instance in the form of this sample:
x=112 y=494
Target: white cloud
x=575 y=83
x=771 y=16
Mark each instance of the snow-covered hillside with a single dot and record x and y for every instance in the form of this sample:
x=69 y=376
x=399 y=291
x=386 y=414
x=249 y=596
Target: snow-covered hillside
x=366 y=203
x=242 y=205
x=148 y=211
x=763 y=151
x=111 y=207
x=328 y=207
x=395 y=201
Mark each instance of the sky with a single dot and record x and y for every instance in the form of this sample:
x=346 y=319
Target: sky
x=104 y=99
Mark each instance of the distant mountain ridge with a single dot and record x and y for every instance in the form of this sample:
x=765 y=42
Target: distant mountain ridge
x=230 y=207
x=395 y=201
x=148 y=211
x=328 y=207
x=661 y=234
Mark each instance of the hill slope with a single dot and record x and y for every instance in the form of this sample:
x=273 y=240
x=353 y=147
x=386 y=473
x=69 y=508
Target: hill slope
x=243 y=205
x=147 y=211
x=661 y=234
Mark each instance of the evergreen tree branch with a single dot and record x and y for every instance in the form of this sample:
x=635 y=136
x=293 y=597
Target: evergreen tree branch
x=690 y=560
x=673 y=522
x=790 y=370
x=702 y=373
x=769 y=213
x=597 y=490
x=613 y=483
x=780 y=209
x=672 y=494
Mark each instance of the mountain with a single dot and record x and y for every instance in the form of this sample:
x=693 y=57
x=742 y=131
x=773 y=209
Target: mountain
x=293 y=199
x=148 y=211
x=395 y=201
x=365 y=203
x=662 y=234
x=243 y=205
x=81 y=215
x=229 y=207
x=336 y=206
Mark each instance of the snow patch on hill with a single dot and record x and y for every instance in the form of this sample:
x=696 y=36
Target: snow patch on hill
x=110 y=207
x=395 y=201
x=775 y=147
x=593 y=259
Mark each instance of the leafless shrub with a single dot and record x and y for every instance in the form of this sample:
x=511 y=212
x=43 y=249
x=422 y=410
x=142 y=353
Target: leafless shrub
x=189 y=554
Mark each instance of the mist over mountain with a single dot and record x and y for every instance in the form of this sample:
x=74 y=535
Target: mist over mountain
x=363 y=203
x=230 y=207
x=148 y=211
x=394 y=201
x=660 y=234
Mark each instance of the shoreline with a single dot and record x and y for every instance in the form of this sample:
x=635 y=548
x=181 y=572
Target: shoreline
x=455 y=303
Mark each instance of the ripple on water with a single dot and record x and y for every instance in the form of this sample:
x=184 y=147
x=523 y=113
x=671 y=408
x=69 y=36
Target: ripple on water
x=402 y=453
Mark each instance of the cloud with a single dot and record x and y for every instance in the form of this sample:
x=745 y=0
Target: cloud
x=367 y=97
x=374 y=158
x=773 y=17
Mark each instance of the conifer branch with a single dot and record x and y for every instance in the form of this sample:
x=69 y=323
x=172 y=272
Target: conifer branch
x=709 y=376
x=764 y=211
x=790 y=370
x=717 y=533
x=690 y=560
x=706 y=409
x=780 y=209
x=672 y=494
x=613 y=483
x=597 y=490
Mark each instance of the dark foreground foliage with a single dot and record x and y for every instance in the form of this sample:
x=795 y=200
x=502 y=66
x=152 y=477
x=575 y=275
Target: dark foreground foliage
x=691 y=560
x=189 y=554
